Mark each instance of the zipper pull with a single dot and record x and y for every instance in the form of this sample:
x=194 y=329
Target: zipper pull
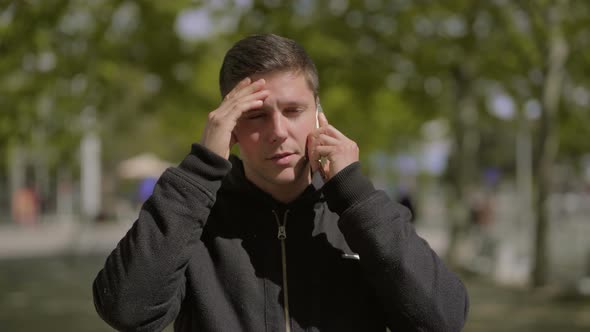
x=282 y=232
x=282 y=226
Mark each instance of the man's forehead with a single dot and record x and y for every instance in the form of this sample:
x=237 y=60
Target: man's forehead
x=287 y=88
x=284 y=78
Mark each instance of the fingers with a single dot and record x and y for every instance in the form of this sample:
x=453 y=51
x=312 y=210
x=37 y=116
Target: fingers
x=218 y=135
x=245 y=106
x=242 y=84
x=316 y=161
x=258 y=96
x=238 y=105
x=318 y=141
x=312 y=153
x=330 y=131
x=317 y=146
x=330 y=144
x=248 y=103
x=324 y=139
x=244 y=97
x=251 y=88
x=238 y=87
x=245 y=87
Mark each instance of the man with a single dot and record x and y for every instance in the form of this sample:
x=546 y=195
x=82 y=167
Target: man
x=265 y=243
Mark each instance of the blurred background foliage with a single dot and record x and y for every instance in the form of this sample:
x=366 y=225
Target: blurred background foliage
x=487 y=75
x=386 y=67
x=149 y=69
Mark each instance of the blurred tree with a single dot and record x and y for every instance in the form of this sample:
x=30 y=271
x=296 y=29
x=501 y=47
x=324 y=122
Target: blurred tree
x=542 y=36
x=149 y=71
x=454 y=59
x=120 y=59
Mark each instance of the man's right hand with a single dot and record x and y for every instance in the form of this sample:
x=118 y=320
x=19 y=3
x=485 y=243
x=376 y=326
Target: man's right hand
x=245 y=96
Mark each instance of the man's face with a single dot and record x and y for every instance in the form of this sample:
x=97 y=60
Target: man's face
x=272 y=139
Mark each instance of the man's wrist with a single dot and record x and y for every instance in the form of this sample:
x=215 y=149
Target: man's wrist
x=346 y=188
x=206 y=164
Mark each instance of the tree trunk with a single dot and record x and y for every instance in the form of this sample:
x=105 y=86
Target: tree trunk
x=466 y=143
x=548 y=142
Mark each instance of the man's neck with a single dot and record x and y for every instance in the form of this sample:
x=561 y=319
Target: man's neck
x=283 y=192
x=287 y=193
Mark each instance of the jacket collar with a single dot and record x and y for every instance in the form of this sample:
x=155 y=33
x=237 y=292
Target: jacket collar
x=237 y=183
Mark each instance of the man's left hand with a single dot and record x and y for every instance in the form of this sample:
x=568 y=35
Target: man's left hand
x=329 y=143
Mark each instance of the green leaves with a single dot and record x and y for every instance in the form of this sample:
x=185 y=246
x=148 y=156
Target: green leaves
x=385 y=67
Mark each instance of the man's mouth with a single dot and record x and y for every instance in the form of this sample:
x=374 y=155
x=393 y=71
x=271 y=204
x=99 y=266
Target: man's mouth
x=280 y=156
x=282 y=159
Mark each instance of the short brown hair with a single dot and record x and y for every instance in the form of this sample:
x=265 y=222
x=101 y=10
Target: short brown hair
x=261 y=54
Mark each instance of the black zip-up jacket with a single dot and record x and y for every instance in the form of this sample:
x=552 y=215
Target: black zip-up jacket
x=215 y=253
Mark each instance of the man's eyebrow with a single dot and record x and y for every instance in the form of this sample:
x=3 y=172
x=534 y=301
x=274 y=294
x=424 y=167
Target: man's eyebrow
x=291 y=103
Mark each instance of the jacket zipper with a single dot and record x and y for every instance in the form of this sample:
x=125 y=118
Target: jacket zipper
x=282 y=236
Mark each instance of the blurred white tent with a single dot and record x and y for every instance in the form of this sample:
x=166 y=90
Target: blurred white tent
x=142 y=166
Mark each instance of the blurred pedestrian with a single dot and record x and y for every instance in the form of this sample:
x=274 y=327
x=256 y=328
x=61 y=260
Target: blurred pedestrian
x=290 y=237
x=482 y=218
x=146 y=189
x=406 y=198
x=25 y=206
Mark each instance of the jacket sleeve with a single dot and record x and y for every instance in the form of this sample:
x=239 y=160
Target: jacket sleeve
x=142 y=283
x=417 y=290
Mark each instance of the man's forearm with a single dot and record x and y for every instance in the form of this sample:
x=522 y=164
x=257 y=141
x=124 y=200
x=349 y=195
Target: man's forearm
x=142 y=282
x=416 y=288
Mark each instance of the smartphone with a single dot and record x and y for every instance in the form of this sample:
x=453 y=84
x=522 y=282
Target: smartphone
x=322 y=160
x=317 y=114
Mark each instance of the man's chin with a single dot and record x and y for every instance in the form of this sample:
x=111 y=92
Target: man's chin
x=288 y=175
x=284 y=178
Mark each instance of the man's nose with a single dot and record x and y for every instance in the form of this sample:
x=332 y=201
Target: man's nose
x=278 y=130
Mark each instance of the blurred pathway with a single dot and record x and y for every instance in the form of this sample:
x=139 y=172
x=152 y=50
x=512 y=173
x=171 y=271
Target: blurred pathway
x=501 y=309
x=59 y=236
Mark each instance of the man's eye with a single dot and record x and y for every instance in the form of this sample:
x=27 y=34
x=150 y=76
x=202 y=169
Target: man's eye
x=255 y=116
x=293 y=111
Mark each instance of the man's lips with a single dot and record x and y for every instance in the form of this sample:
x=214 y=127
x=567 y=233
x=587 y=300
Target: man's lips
x=284 y=159
x=280 y=155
